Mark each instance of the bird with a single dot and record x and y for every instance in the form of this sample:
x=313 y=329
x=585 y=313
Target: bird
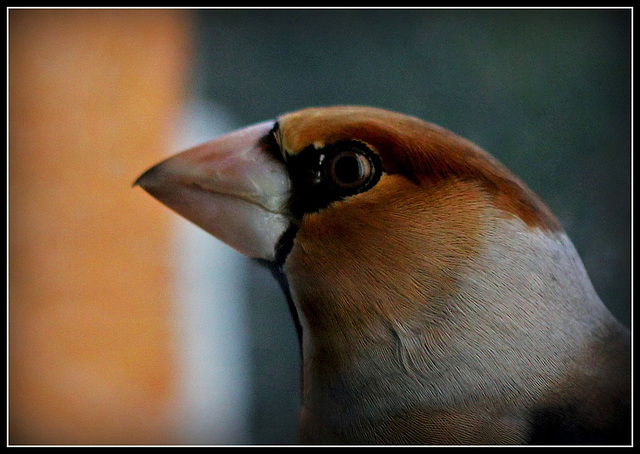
x=439 y=300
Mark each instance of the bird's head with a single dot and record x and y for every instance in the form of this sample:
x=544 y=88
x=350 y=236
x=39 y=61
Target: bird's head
x=371 y=215
x=425 y=275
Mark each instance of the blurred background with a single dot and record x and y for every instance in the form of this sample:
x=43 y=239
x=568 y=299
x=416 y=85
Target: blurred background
x=128 y=325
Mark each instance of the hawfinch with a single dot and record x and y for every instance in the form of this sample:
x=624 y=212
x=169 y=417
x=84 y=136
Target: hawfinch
x=439 y=300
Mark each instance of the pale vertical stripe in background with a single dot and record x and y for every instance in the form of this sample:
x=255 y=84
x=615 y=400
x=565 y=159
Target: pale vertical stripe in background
x=211 y=291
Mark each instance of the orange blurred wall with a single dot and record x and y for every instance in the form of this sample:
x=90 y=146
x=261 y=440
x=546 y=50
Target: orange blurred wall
x=93 y=95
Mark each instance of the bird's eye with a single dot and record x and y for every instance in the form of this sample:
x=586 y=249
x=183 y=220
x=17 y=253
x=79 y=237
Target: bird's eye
x=334 y=172
x=349 y=169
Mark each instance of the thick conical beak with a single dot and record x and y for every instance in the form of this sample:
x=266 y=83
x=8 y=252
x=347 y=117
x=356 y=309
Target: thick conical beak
x=231 y=187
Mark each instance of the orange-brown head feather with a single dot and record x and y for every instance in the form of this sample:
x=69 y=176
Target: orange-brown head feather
x=423 y=152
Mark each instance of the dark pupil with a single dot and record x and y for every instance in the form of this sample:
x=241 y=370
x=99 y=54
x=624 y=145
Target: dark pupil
x=347 y=169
